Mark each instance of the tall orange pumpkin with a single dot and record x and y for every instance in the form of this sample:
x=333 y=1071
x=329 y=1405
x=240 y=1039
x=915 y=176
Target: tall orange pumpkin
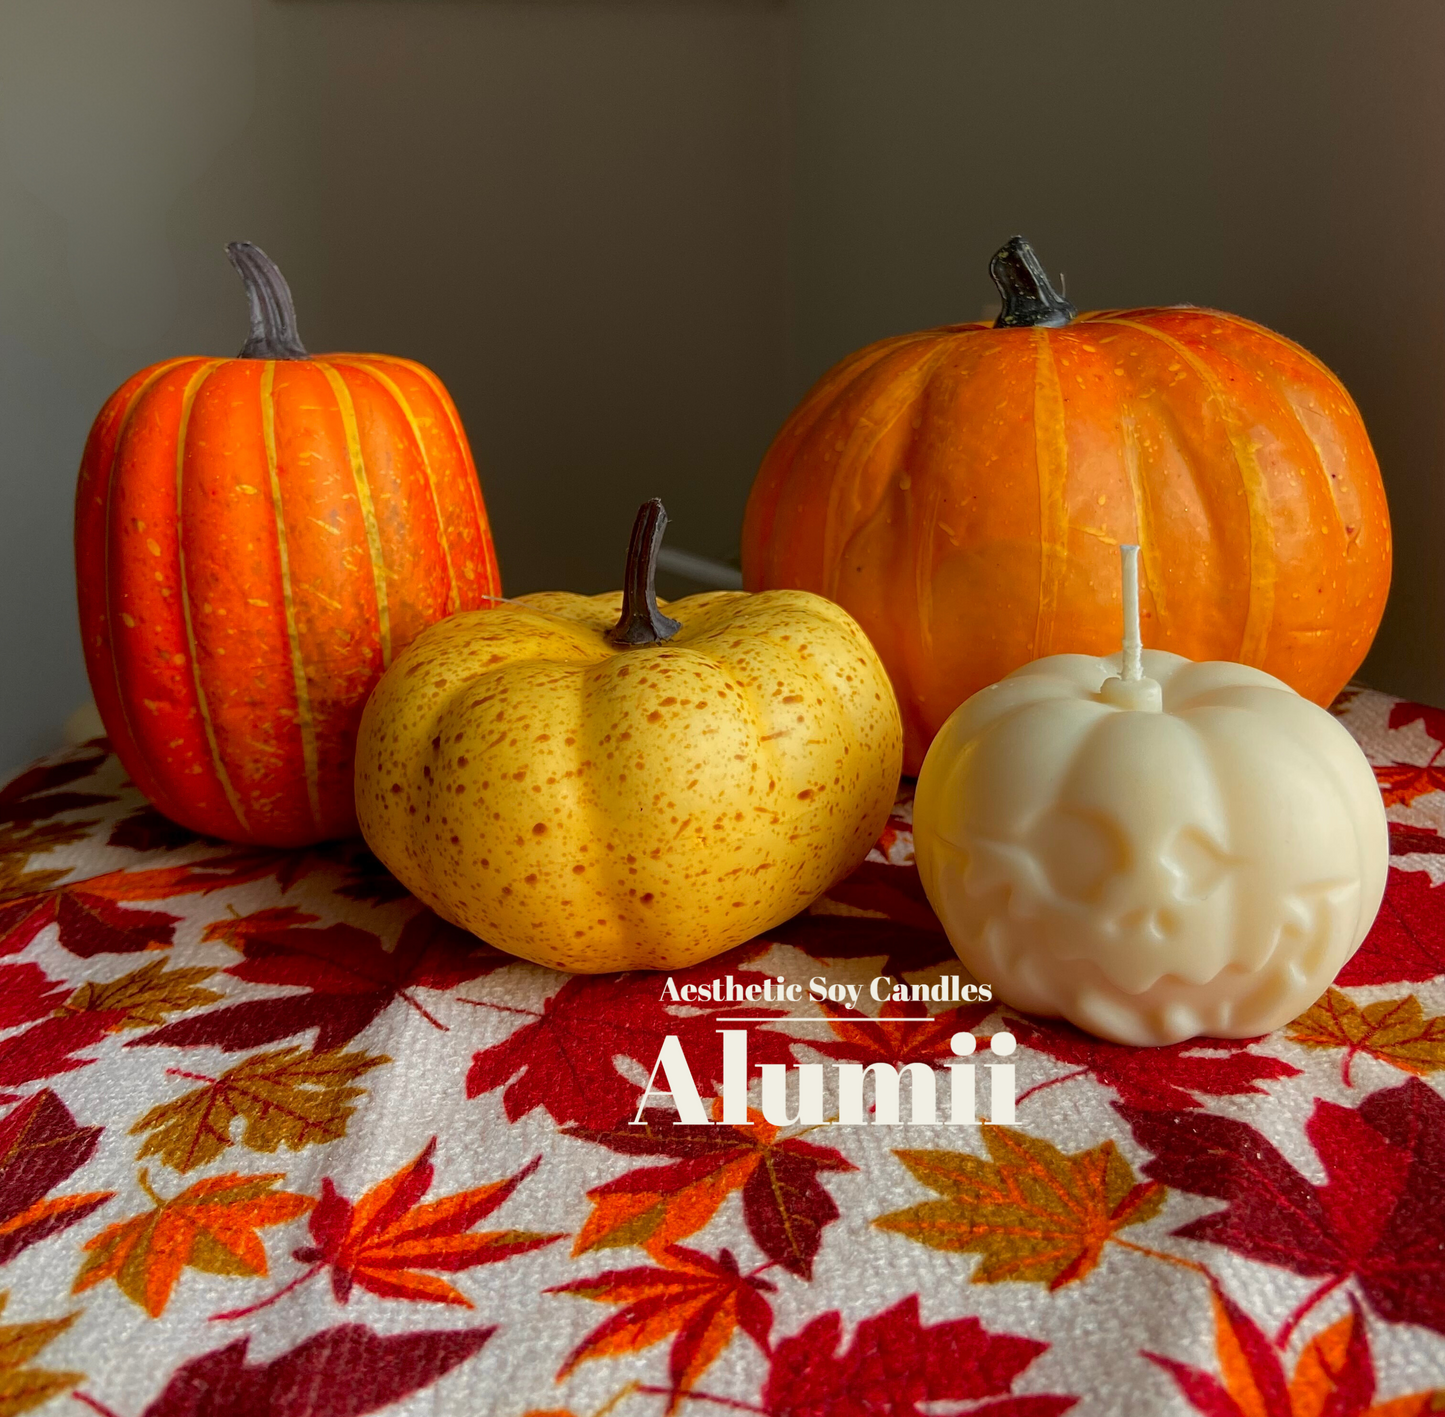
x=255 y=540
x=962 y=492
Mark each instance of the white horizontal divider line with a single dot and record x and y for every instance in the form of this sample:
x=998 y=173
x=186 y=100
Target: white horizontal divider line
x=823 y=1018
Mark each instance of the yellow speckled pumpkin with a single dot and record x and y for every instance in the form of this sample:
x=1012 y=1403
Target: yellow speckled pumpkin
x=595 y=792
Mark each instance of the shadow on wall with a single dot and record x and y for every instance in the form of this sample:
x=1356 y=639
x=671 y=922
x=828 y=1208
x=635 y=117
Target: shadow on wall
x=1280 y=161
x=106 y=125
x=574 y=213
x=628 y=235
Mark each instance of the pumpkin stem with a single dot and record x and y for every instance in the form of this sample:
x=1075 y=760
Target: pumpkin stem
x=641 y=622
x=1028 y=297
x=273 y=316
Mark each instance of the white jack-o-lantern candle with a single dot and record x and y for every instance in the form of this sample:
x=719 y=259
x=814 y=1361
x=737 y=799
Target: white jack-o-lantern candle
x=1152 y=847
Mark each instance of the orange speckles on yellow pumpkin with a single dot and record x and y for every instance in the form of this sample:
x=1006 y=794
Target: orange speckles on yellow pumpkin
x=660 y=801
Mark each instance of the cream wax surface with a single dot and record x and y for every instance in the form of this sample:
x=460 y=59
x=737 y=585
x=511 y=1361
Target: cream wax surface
x=1194 y=851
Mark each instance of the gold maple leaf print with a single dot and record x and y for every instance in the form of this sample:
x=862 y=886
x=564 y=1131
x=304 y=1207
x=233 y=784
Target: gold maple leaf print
x=146 y=996
x=291 y=1097
x=1396 y=1031
x=23 y=1387
x=1031 y=1212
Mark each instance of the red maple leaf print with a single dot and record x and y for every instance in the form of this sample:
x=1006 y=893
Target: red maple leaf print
x=89 y=924
x=347 y=977
x=346 y=868
x=1415 y=841
x=93 y=918
x=40 y=1145
x=880 y=911
x=27 y=993
x=32 y=797
x=698 y=1301
x=895 y=1364
x=48 y=1047
x=564 y=1059
x=145 y=829
x=344 y=1371
x=385 y=1241
x=924 y=1038
x=1379 y=1219
x=1167 y=1077
x=1334 y=1375
x=1407 y=942
x=361 y=876
x=1404 y=713
x=784 y=1202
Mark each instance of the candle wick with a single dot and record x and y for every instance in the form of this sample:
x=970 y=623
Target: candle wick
x=1133 y=644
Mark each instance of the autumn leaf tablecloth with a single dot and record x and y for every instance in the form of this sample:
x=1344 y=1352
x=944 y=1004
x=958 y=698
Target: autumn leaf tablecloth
x=276 y=1142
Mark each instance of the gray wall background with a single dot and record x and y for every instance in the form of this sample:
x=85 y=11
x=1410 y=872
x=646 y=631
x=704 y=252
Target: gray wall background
x=629 y=233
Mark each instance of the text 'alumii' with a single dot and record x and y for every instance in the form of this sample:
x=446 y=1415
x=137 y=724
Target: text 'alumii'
x=924 y=1100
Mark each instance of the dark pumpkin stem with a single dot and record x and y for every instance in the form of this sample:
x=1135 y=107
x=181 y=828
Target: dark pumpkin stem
x=1028 y=297
x=641 y=622
x=273 y=316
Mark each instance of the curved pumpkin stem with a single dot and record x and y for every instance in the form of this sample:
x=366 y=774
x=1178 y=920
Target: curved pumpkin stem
x=1028 y=297
x=641 y=622
x=273 y=316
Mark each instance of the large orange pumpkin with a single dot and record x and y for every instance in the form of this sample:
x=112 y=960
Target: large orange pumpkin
x=962 y=492
x=255 y=540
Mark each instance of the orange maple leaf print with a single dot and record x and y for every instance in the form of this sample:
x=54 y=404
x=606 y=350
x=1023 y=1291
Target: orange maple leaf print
x=784 y=1203
x=387 y=1240
x=1334 y=1374
x=1032 y=1212
x=210 y=1226
x=1402 y=783
x=698 y=1301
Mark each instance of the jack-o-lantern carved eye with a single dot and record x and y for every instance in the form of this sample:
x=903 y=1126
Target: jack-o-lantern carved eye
x=1078 y=852
x=1197 y=862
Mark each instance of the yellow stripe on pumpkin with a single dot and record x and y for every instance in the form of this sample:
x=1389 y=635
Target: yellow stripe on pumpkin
x=368 y=510
x=1051 y=459
x=188 y=400
x=1263 y=564
x=306 y=719
x=140 y=391
x=1149 y=551
x=399 y=398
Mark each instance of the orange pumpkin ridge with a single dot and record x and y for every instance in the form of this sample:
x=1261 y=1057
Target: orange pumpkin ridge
x=962 y=492
x=256 y=539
